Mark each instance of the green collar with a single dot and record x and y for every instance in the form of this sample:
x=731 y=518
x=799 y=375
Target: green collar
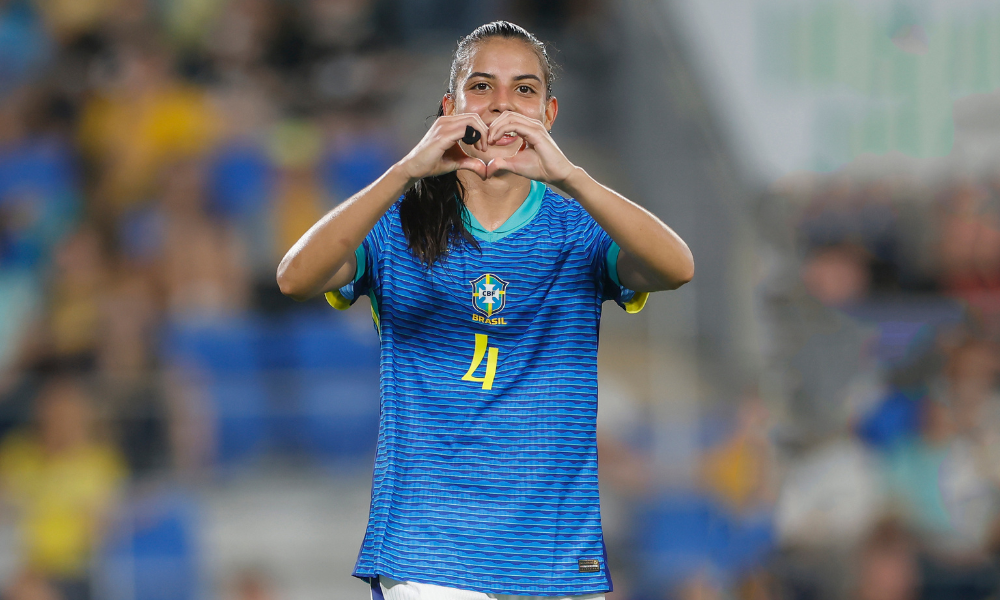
x=519 y=219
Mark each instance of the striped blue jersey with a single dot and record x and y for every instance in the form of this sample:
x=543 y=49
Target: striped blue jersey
x=486 y=466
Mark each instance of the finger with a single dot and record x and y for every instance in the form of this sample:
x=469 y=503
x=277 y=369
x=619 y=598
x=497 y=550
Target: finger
x=525 y=163
x=476 y=122
x=497 y=125
x=481 y=145
x=500 y=165
x=455 y=154
x=493 y=167
x=512 y=122
x=526 y=130
x=478 y=125
x=473 y=164
x=497 y=166
x=454 y=129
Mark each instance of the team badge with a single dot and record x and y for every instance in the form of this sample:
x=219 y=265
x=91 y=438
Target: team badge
x=489 y=294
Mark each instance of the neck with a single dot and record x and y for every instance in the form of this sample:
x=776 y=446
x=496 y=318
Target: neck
x=493 y=201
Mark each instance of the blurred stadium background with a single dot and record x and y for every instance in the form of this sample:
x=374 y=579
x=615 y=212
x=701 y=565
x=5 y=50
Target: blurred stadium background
x=815 y=416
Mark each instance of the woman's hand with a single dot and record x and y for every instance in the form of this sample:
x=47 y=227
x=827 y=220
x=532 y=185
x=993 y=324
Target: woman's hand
x=541 y=160
x=439 y=153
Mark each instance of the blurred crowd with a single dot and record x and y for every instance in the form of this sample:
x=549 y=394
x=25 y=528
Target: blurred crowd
x=156 y=160
x=880 y=306
x=863 y=462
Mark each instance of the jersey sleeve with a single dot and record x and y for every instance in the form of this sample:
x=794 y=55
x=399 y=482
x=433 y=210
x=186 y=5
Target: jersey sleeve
x=604 y=259
x=367 y=277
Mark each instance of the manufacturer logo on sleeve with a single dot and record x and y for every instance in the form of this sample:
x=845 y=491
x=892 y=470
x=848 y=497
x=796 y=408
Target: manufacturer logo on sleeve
x=489 y=296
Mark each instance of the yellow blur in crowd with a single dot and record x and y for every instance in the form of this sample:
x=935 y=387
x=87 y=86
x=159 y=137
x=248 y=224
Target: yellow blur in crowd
x=739 y=471
x=135 y=134
x=61 y=482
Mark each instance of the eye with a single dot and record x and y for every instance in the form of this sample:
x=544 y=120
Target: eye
x=525 y=89
x=480 y=86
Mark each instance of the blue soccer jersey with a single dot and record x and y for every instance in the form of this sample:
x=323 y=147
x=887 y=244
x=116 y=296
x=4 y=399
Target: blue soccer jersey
x=486 y=466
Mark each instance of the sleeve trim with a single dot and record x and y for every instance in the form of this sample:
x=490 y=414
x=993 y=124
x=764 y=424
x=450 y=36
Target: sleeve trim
x=360 y=257
x=337 y=300
x=612 y=262
x=637 y=303
x=375 y=314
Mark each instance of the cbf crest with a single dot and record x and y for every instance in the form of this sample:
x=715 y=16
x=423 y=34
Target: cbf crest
x=489 y=294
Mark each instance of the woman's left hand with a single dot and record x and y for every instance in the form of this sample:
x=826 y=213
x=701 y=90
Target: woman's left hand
x=540 y=159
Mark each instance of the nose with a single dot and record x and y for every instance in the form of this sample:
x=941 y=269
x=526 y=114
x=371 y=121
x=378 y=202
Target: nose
x=501 y=101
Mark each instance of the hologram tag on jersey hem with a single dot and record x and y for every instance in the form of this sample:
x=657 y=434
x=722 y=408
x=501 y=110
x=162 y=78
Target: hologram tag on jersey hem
x=589 y=565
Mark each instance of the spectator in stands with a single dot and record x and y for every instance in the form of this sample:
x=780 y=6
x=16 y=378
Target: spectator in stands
x=204 y=270
x=740 y=471
x=299 y=199
x=239 y=38
x=133 y=390
x=887 y=564
x=970 y=387
x=829 y=354
x=938 y=482
x=24 y=44
x=69 y=19
x=63 y=483
x=969 y=250
x=700 y=587
x=39 y=185
x=78 y=280
x=28 y=585
x=252 y=584
x=198 y=260
x=145 y=120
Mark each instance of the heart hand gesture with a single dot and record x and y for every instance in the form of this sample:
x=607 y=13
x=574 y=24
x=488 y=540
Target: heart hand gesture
x=540 y=159
x=439 y=153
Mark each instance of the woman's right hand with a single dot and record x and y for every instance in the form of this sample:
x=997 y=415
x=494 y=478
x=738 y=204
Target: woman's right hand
x=439 y=153
x=323 y=258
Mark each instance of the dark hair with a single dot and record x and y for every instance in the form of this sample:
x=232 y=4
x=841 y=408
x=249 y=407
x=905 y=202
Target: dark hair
x=431 y=211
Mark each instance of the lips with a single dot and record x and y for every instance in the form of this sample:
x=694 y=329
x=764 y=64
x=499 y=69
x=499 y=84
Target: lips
x=505 y=147
x=507 y=139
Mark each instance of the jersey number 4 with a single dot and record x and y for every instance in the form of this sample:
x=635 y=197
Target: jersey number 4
x=477 y=359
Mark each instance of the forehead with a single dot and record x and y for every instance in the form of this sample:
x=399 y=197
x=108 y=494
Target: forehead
x=504 y=57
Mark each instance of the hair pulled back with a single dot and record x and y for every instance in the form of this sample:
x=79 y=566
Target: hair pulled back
x=431 y=212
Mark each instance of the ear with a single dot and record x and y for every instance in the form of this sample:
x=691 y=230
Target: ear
x=448 y=103
x=551 y=110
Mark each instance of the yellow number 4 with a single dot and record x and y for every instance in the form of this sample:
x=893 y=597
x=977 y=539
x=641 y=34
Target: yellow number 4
x=477 y=358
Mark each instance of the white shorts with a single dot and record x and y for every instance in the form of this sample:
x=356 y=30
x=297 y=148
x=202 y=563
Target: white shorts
x=390 y=589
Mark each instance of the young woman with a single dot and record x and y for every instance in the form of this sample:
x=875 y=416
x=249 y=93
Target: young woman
x=486 y=290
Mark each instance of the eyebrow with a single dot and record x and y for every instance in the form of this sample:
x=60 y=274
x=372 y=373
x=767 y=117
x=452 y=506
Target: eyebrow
x=491 y=76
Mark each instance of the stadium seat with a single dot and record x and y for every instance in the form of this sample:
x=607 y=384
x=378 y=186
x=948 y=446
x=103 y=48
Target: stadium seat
x=241 y=179
x=38 y=201
x=152 y=551
x=217 y=346
x=685 y=534
x=337 y=382
x=303 y=384
x=326 y=342
x=339 y=415
x=354 y=166
x=223 y=356
x=896 y=418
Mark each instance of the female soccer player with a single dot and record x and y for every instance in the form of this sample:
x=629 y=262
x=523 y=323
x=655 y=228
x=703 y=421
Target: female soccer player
x=486 y=290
